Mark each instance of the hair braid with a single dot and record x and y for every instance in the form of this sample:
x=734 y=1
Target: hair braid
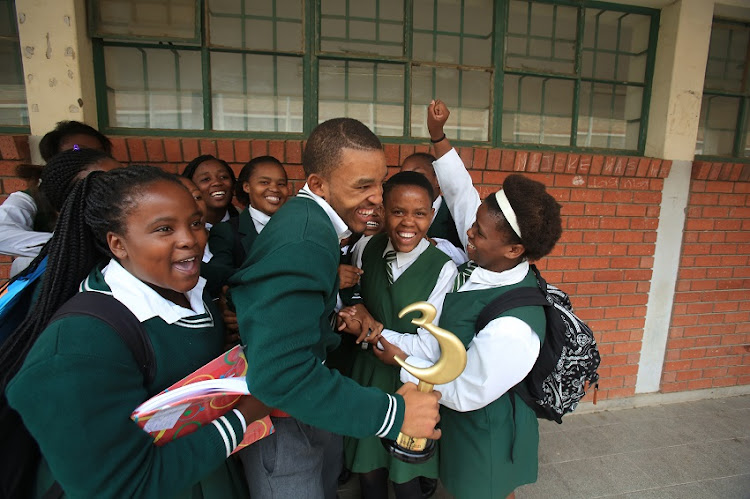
x=97 y=205
x=62 y=172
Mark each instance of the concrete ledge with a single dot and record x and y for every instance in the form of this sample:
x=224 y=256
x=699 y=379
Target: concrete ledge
x=650 y=399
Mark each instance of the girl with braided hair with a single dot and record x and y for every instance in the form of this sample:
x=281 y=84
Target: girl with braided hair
x=490 y=436
x=25 y=226
x=137 y=235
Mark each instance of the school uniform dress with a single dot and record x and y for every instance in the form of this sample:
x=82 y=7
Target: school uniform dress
x=80 y=382
x=285 y=295
x=423 y=274
x=489 y=445
x=18 y=235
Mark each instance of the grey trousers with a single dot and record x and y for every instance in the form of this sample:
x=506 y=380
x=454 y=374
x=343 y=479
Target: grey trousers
x=297 y=461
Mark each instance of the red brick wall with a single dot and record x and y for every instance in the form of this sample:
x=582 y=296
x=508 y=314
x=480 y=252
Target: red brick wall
x=604 y=259
x=14 y=150
x=709 y=338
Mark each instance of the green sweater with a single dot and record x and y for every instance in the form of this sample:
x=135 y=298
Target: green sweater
x=285 y=294
x=444 y=226
x=78 y=386
x=222 y=240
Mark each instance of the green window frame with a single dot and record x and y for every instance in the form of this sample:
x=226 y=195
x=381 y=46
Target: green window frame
x=14 y=113
x=725 y=105
x=497 y=74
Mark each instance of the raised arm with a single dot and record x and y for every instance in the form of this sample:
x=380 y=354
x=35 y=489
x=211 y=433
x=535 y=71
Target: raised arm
x=455 y=182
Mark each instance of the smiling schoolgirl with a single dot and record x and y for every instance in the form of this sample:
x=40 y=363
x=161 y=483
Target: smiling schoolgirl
x=215 y=179
x=490 y=436
x=140 y=231
x=263 y=188
x=400 y=267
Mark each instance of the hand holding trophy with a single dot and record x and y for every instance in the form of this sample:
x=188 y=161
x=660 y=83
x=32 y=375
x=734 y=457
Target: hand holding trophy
x=450 y=365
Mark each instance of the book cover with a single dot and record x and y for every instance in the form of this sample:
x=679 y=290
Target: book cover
x=198 y=399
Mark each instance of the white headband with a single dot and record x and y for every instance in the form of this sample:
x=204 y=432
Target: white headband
x=508 y=213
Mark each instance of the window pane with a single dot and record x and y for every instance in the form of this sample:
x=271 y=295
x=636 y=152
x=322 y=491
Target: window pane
x=256 y=92
x=364 y=27
x=609 y=116
x=467 y=94
x=154 y=88
x=717 y=125
x=541 y=37
x=727 y=58
x=172 y=19
x=13 y=110
x=615 y=45
x=373 y=93
x=537 y=110
x=444 y=32
x=256 y=24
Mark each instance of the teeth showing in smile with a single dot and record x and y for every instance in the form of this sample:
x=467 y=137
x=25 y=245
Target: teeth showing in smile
x=217 y=194
x=186 y=265
x=365 y=213
x=373 y=224
x=407 y=235
x=273 y=199
x=470 y=246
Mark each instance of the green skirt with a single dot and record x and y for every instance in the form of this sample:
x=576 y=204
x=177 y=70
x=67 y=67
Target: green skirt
x=367 y=454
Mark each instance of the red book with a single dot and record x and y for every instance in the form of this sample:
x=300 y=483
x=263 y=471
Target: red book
x=198 y=399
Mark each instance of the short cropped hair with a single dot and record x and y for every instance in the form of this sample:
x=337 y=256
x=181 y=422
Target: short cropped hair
x=323 y=149
x=415 y=179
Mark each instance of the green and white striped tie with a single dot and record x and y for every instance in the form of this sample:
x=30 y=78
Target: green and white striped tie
x=390 y=257
x=464 y=275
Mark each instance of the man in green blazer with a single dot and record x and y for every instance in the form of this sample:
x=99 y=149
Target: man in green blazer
x=285 y=295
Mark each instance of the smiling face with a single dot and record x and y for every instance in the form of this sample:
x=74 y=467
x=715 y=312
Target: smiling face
x=267 y=187
x=375 y=224
x=215 y=183
x=408 y=214
x=163 y=241
x=489 y=247
x=354 y=188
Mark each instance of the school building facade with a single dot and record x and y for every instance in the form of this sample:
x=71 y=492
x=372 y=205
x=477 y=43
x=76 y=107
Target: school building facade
x=635 y=114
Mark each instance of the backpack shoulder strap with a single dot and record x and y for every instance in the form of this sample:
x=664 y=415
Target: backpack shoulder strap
x=519 y=297
x=110 y=311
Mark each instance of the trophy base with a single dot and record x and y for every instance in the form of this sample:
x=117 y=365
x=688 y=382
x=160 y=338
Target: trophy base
x=407 y=455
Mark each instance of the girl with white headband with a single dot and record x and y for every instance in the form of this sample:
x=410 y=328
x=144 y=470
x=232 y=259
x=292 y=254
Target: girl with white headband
x=490 y=442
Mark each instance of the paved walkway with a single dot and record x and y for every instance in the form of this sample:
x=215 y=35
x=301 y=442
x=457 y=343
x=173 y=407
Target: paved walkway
x=683 y=451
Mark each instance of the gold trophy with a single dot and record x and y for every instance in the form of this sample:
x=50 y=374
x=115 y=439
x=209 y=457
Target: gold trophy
x=449 y=366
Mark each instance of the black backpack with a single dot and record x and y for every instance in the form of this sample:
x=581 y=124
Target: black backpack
x=20 y=453
x=568 y=358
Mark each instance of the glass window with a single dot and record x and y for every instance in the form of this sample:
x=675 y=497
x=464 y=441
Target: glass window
x=13 y=108
x=568 y=74
x=154 y=19
x=725 y=117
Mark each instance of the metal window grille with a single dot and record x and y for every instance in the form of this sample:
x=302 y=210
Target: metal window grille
x=542 y=73
x=724 y=123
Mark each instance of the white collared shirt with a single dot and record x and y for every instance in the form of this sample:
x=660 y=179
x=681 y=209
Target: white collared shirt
x=260 y=219
x=17 y=235
x=342 y=230
x=403 y=261
x=144 y=301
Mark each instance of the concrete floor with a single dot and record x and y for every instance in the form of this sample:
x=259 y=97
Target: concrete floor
x=684 y=450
